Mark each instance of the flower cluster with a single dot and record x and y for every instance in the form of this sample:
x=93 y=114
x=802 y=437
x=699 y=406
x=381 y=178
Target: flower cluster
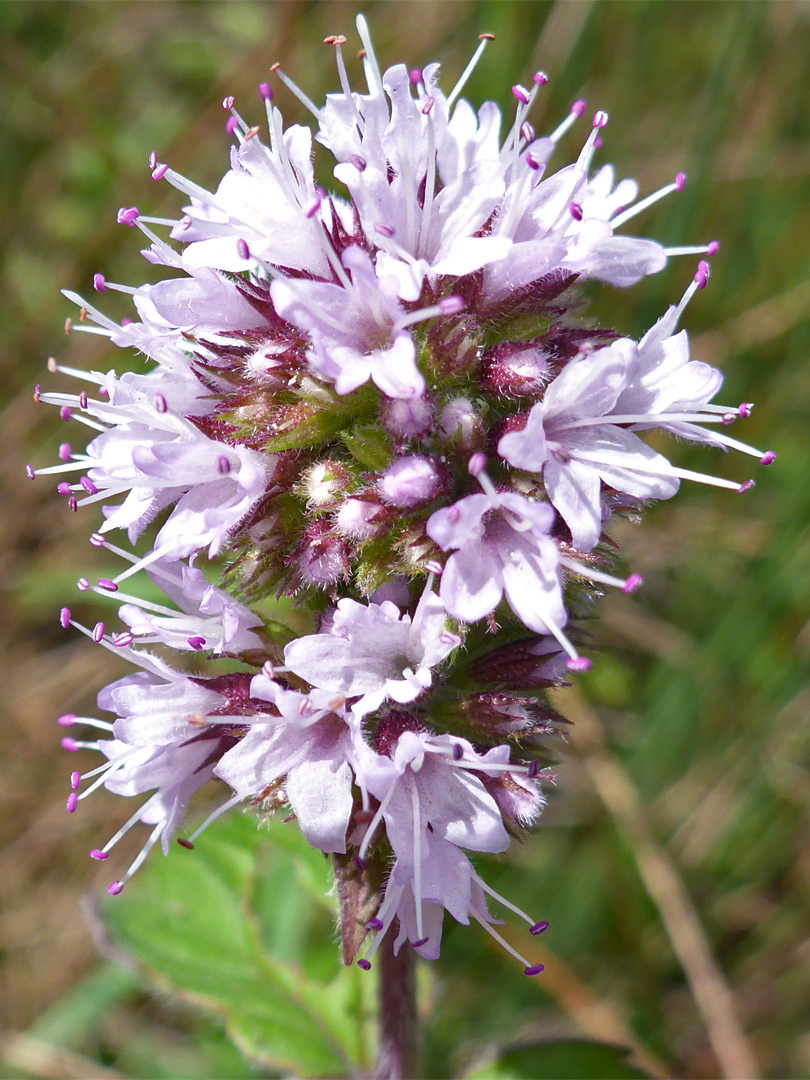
x=381 y=404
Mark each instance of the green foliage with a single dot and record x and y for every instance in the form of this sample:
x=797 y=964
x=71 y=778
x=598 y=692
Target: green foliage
x=565 y=1059
x=243 y=927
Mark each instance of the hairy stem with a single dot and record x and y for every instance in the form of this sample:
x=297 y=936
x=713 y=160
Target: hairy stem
x=398 y=1055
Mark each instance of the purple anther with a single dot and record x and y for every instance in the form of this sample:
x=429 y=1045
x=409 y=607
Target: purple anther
x=768 y=458
x=703 y=267
x=72 y=802
x=65 y=413
x=383 y=229
x=160 y=171
x=102 y=390
x=578 y=108
x=597 y=143
x=635 y=581
x=265 y=91
x=120 y=641
x=701 y=278
x=64 y=451
x=746 y=485
x=159 y=401
x=98 y=632
x=242 y=249
x=712 y=248
x=227 y=102
x=538 y=928
x=364 y=964
x=680 y=180
x=458 y=751
x=427 y=105
x=99 y=283
x=70 y=745
x=97 y=540
x=82 y=584
x=107 y=585
x=29 y=472
x=67 y=719
x=527 y=132
x=83 y=399
x=575 y=211
x=374 y=923
x=600 y=118
x=64 y=617
x=223 y=465
x=128 y=215
x=196 y=643
x=531 y=160
x=450 y=305
x=359 y=163
x=75 y=780
x=152 y=160
x=534 y=969
x=433 y=567
x=97 y=853
x=519 y=94
x=415 y=75
x=124 y=322
x=540 y=78
x=728 y=418
x=37 y=393
x=115 y=887
x=63 y=488
x=73 y=506
x=313 y=208
x=88 y=485
x=187 y=844
x=745 y=409
x=476 y=465
x=418 y=944
x=231 y=125
x=359 y=863
x=579 y=663
x=534 y=769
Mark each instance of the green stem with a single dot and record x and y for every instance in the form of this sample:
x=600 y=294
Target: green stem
x=399 y=1036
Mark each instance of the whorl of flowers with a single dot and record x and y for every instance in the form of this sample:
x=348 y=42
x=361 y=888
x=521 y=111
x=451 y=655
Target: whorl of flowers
x=380 y=403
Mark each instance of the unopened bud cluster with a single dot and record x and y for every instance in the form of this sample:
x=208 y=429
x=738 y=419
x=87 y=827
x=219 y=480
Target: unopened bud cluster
x=381 y=403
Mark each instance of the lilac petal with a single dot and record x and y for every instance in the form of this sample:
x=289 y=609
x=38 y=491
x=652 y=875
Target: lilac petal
x=320 y=793
x=471 y=584
x=574 y=489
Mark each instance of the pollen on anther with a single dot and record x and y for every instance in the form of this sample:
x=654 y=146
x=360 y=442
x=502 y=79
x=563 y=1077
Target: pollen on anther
x=579 y=663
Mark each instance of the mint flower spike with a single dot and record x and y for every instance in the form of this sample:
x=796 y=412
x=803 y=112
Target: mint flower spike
x=381 y=404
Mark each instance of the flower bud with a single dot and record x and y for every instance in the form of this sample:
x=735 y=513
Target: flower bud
x=520 y=368
x=360 y=518
x=410 y=481
x=322 y=556
x=324 y=482
x=407 y=418
x=460 y=425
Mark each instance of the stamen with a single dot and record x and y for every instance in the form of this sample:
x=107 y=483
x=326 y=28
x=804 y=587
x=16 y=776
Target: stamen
x=484 y=40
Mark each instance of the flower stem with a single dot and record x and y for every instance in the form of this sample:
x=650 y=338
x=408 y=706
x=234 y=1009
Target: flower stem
x=398 y=1053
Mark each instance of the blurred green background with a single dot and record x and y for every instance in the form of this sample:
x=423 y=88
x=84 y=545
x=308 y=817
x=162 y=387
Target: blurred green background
x=674 y=859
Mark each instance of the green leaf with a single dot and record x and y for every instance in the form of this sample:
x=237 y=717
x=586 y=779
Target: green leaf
x=239 y=926
x=368 y=444
x=563 y=1059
